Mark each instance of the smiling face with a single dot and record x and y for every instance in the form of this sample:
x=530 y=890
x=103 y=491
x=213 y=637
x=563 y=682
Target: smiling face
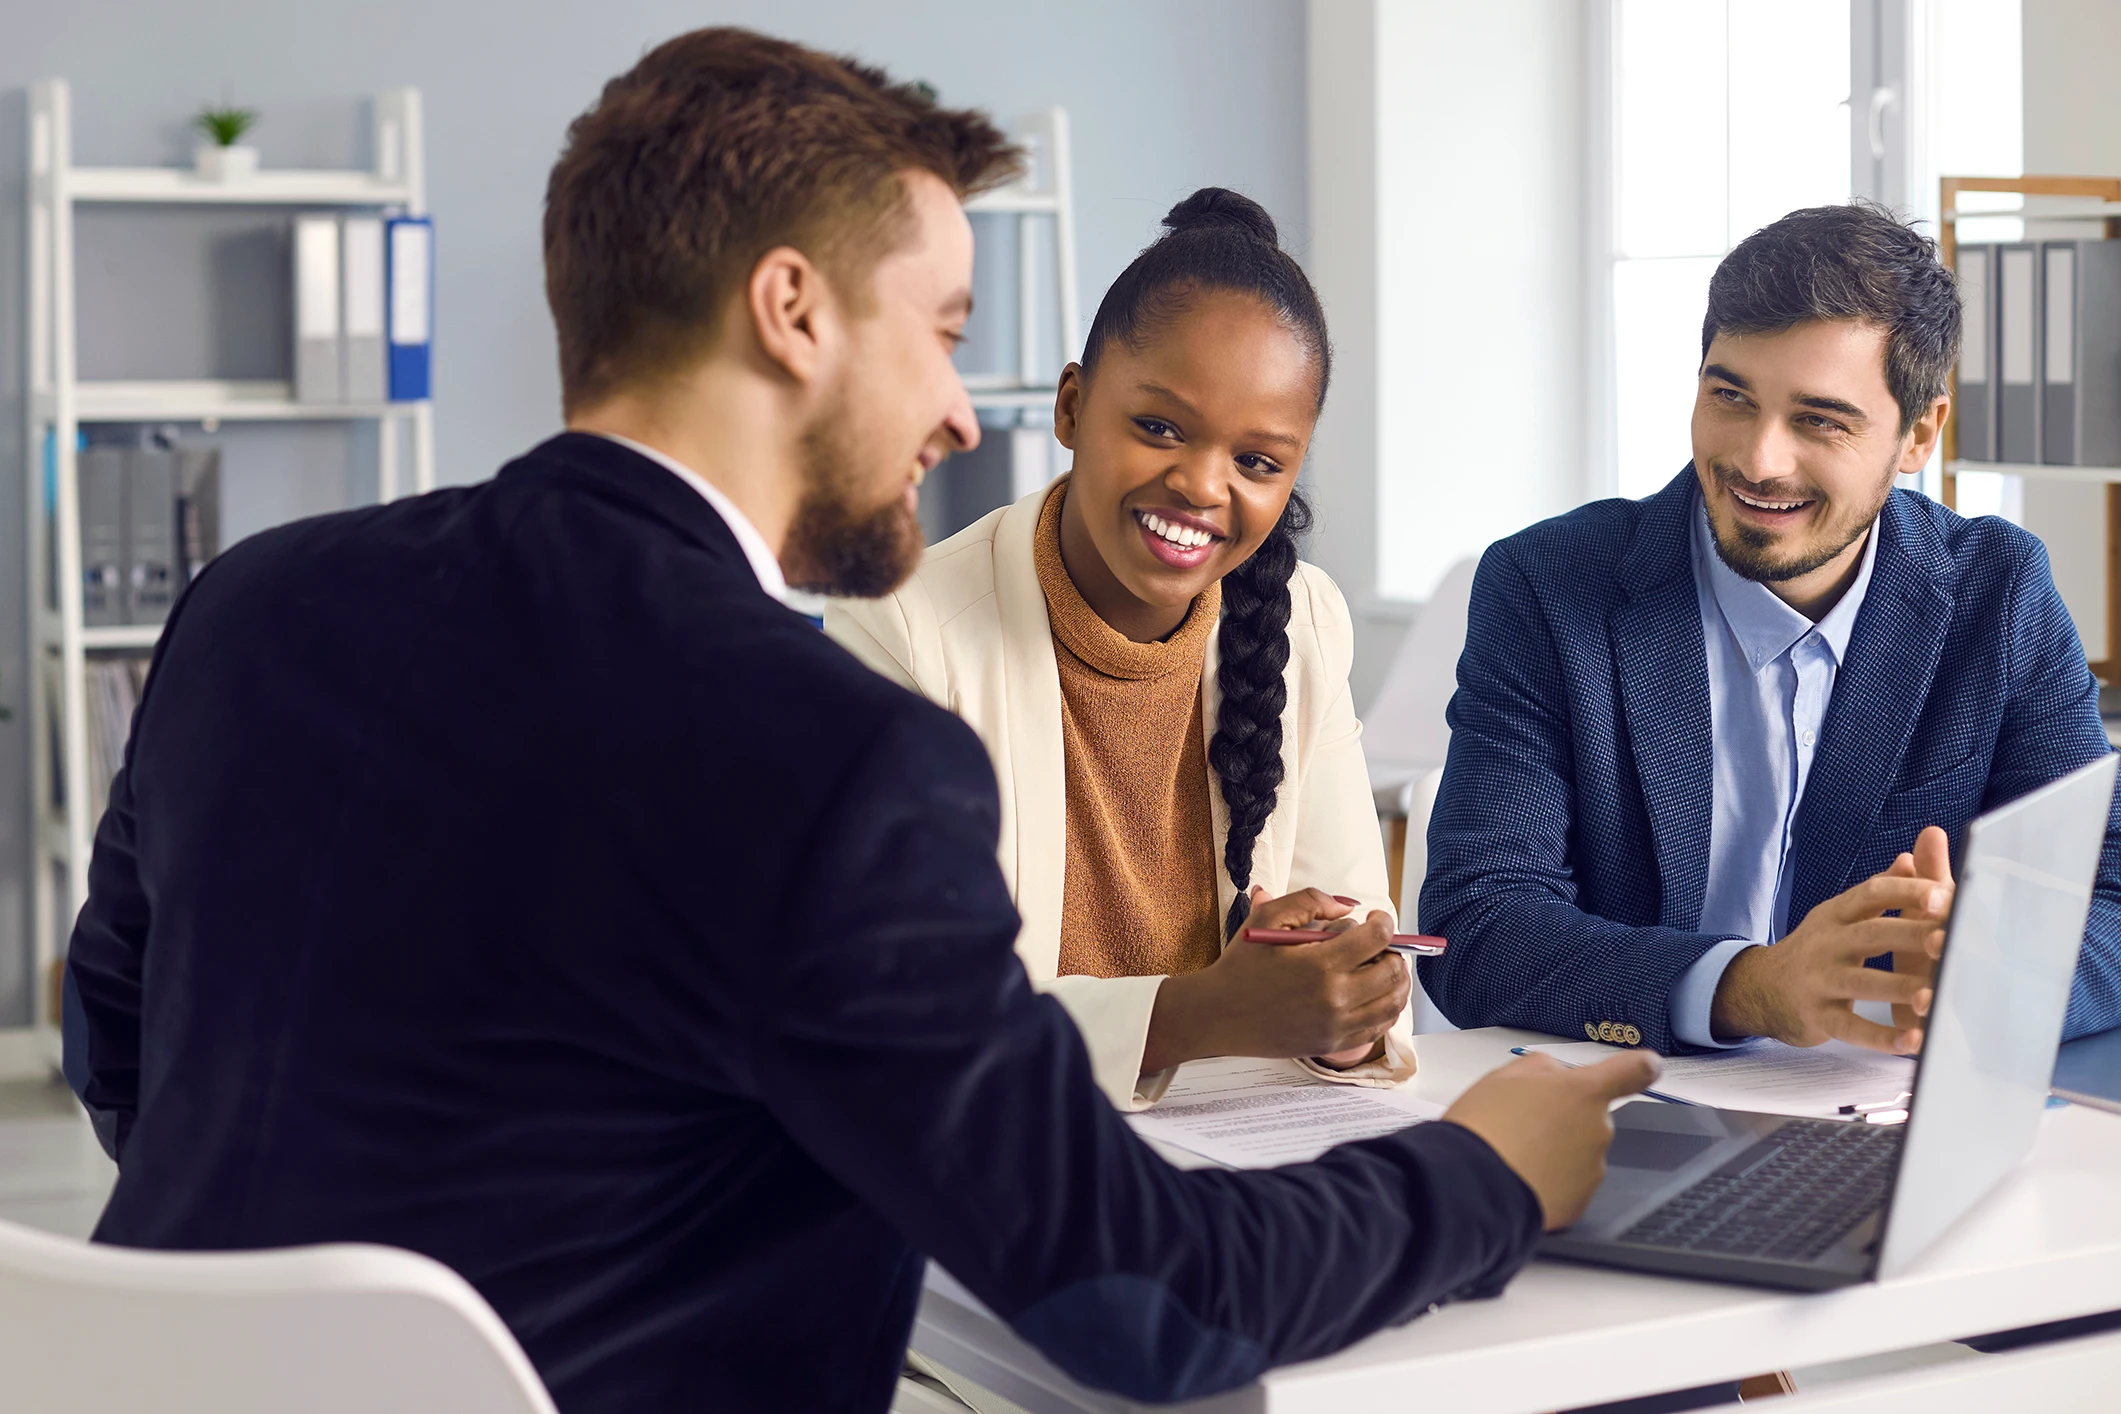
x=1796 y=442
x=1186 y=451
x=891 y=408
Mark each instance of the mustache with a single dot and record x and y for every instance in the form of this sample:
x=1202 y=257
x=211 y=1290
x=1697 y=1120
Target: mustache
x=1732 y=478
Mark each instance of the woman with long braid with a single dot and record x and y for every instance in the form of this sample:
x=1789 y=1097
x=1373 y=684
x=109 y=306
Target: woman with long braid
x=1163 y=685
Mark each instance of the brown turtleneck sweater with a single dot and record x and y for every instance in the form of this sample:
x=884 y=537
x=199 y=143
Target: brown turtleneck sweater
x=1139 y=896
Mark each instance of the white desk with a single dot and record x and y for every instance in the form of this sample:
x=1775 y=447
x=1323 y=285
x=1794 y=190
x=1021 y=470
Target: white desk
x=2044 y=1246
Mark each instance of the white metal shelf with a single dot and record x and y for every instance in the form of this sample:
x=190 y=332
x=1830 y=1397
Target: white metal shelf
x=2038 y=471
x=60 y=403
x=185 y=187
x=208 y=400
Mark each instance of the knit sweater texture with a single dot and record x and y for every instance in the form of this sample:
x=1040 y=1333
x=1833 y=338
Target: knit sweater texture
x=1139 y=897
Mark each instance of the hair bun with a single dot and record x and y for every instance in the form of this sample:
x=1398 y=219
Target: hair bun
x=1219 y=206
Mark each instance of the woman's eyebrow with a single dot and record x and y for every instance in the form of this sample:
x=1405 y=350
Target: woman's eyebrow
x=1160 y=391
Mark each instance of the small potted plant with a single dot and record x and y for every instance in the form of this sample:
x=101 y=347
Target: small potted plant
x=224 y=159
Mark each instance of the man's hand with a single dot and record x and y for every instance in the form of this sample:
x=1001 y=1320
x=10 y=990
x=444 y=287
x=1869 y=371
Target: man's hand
x=1549 y=1123
x=1334 y=999
x=1930 y=859
x=1803 y=990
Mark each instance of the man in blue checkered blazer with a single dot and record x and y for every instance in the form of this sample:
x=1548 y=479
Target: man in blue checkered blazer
x=1752 y=708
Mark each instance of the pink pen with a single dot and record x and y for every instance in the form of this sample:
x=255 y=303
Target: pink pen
x=1412 y=944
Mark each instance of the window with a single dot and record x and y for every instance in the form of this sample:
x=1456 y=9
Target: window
x=1727 y=114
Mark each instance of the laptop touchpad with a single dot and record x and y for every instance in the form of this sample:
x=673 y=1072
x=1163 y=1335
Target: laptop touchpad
x=1655 y=1149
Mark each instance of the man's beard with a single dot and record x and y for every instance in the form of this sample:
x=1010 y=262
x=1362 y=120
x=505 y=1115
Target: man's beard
x=835 y=544
x=1746 y=550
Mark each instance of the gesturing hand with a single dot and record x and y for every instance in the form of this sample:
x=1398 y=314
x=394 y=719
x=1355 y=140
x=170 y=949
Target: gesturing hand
x=1930 y=859
x=1803 y=990
x=1300 y=999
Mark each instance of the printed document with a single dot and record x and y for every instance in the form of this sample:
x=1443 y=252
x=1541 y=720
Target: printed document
x=1252 y=1114
x=1768 y=1077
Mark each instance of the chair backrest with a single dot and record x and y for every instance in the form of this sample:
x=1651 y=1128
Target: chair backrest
x=341 y=1329
x=1403 y=733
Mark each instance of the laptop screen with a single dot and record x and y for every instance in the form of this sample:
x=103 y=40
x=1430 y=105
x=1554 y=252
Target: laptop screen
x=2025 y=883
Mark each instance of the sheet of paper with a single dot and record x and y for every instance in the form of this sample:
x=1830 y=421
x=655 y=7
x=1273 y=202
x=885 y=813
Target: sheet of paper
x=1252 y=1114
x=1768 y=1077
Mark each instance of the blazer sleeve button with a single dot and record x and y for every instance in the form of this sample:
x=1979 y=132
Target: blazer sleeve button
x=1590 y=1029
x=1632 y=1035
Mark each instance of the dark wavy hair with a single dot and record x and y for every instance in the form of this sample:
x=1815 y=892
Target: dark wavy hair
x=1860 y=262
x=1217 y=240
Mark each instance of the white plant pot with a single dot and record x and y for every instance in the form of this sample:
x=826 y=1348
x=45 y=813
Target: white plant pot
x=225 y=164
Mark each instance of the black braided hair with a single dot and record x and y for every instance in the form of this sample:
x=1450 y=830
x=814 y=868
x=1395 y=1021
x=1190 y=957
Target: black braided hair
x=1218 y=240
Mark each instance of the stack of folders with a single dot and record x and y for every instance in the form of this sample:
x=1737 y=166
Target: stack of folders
x=150 y=520
x=364 y=302
x=2040 y=365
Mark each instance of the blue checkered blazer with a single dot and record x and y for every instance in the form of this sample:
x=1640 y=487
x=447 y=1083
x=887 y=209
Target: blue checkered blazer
x=1569 y=848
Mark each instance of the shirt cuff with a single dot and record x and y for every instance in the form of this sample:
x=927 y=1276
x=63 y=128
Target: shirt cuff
x=1694 y=995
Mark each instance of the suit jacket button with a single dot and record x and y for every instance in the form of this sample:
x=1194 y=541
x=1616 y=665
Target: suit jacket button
x=1632 y=1035
x=1590 y=1029
x=1605 y=1032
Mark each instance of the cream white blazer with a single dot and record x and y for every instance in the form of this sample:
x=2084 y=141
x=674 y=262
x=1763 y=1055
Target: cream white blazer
x=969 y=631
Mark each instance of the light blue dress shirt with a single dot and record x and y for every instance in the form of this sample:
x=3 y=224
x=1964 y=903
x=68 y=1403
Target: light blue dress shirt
x=1771 y=677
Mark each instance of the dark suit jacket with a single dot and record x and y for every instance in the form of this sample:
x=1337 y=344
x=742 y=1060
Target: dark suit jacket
x=1569 y=848
x=503 y=875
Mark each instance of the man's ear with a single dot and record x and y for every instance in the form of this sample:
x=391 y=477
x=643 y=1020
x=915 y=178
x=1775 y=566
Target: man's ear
x=1068 y=406
x=1922 y=437
x=791 y=311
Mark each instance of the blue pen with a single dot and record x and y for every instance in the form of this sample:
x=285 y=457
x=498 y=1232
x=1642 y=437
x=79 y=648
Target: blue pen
x=1653 y=1094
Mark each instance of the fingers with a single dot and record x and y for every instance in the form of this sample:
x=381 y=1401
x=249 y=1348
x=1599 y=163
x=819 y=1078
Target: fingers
x=1294 y=910
x=1933 y=854
x=1902 y=867
x=1359 y=944
x=1870 y=984
x=1883 y=892
x=1627 y=1074
x=1844 y=1025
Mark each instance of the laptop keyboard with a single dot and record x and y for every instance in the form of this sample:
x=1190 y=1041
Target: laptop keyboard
x=1790 y=1197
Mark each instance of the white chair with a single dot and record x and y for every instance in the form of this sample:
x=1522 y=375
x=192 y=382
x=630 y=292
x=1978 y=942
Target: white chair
x=340 y=1329
x=1403 y=733
x=1417 y=800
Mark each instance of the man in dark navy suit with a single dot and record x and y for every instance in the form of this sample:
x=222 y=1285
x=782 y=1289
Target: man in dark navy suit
x=1709 y=749
x=508 y=874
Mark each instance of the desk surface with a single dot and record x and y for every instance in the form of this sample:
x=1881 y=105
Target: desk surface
x=2044 y=1246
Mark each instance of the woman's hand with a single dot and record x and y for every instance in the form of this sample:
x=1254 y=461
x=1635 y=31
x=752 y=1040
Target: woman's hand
x=1334 y=999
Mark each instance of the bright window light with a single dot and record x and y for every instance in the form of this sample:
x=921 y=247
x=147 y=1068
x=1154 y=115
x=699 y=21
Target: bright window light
x=1727 y=116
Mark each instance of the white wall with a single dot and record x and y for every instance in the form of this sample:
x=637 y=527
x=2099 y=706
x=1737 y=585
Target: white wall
x=2073 y=128
x=1480 y=277
x=1448 y=155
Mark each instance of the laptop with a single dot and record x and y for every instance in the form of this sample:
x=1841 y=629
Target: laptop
x=1810 y=1204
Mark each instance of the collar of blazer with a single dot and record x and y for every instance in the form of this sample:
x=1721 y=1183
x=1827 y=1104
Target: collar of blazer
x=1661 y=670
x=1038 y=771
x=613 y=472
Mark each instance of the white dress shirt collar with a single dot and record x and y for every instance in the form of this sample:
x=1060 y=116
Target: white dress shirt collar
x=748 y=539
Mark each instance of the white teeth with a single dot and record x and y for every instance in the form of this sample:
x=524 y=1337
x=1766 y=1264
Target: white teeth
x=1185 y=537
x=1769 y=505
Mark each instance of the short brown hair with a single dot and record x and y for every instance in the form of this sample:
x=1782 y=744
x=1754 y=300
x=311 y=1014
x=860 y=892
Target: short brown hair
x=717 y=147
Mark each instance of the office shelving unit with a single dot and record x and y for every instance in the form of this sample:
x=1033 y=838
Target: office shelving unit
x=1046 y=190
x=2097 y=199
x=59 y=403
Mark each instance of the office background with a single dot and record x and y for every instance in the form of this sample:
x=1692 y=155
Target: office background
x=1446 y=171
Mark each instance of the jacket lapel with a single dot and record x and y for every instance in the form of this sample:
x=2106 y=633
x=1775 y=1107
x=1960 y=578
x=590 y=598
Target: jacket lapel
x=1878 y=696
x=1031 y=710
x=1662 y=673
